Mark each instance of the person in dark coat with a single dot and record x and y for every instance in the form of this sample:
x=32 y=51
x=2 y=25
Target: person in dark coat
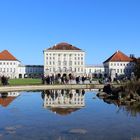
x=77 y=80
x=83 y=79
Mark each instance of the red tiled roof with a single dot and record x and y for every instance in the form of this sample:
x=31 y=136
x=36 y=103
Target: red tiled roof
x=5 y=55
x=6 y=101
x=64 y=111
x=63 y=46
x=119 y=57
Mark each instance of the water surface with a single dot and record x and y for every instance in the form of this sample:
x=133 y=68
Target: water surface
x=65 y=115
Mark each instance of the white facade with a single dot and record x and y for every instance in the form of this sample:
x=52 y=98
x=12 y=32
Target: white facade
x=9 y=68
x=64 y=62
x=10 y=94
x=91 y=70
x=21 y=71
x=12 y=68
x=13 y=94
x=120 y=68
x=119 y=64
x=64 y=99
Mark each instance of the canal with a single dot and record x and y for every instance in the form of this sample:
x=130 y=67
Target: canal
x=66 y=115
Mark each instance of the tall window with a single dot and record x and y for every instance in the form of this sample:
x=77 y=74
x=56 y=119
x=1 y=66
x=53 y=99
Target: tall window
x=70 y=69
x=59 y=69
x=78 y=69
x=70 y=63
x=64 y=69
x=65 y=63
x=59 y=62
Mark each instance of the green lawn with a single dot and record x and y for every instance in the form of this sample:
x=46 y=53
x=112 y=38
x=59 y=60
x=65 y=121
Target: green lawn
x=26 y=81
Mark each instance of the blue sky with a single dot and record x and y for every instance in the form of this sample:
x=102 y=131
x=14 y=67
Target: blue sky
x=100 y=27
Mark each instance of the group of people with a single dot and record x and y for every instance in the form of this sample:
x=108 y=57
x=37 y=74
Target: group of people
x=4 y=80
x=63 y=79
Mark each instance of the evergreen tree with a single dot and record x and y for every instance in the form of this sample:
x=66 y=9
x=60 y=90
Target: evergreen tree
x=137 y=69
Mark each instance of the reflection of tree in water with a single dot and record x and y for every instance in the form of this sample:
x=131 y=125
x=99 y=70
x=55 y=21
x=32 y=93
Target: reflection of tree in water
x=131 y=108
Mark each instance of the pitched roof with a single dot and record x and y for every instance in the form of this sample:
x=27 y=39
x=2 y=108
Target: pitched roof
x=119 y=57
x=6 y=55
x=64 y=111
x=63 y=46
x=6 y=101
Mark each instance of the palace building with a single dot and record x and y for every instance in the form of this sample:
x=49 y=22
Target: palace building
x=11 y=67
x=119 y=64
x=31 y=71
x=64 y=58
x=92 y=70
x=8 y=64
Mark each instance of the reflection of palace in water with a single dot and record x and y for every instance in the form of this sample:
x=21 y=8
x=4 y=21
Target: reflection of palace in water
x=7 y=97
x=63 y=102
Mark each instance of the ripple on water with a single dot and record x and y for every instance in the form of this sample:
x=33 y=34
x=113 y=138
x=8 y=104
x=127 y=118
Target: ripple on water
x=77 y=131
